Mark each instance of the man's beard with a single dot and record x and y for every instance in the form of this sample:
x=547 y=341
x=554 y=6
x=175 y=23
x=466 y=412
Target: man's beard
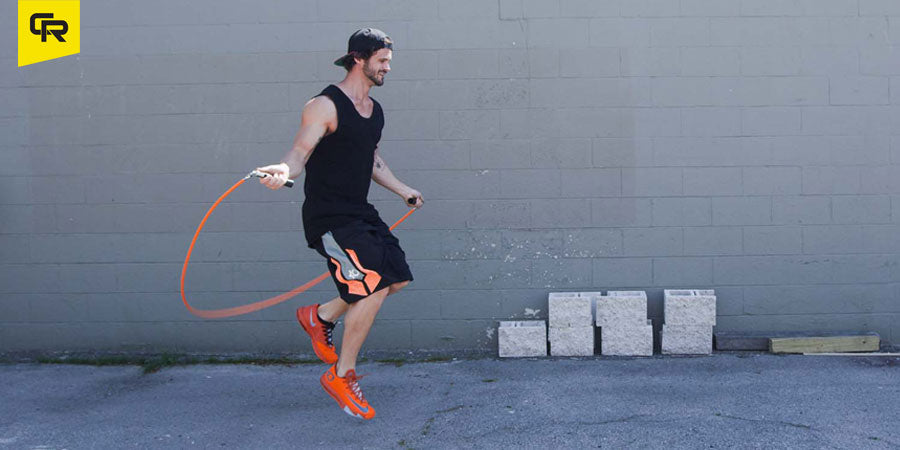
x=372 y=75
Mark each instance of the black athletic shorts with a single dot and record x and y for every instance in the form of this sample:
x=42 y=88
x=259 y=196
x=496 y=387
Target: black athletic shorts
x=363 y=257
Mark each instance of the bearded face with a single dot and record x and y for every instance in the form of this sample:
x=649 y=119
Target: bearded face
x=377 y=66
x=377 y=76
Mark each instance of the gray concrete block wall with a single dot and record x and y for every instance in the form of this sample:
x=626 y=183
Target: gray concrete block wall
x=743 y=146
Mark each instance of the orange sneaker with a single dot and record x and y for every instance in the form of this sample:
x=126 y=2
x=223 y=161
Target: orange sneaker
x=345 y=391
x=320 y=333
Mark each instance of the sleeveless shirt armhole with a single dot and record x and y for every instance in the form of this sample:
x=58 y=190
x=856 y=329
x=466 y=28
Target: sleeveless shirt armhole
x=337 y=117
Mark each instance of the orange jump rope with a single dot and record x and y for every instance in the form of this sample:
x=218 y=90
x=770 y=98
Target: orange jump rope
x=256 y=306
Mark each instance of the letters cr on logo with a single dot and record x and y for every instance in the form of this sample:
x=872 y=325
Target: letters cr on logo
x=60 y=26
x=48 y=29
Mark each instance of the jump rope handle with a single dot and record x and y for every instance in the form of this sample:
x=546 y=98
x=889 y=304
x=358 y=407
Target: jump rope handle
x=289 y=183
x=411 y=200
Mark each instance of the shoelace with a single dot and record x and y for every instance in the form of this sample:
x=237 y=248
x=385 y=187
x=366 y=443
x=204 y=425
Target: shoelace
x=329 y=332
x=353 y=384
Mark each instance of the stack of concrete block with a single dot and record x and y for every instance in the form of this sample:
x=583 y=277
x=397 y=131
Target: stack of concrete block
x=525 y=338
x=571 y=330
x=624 y=327
x=689 y=319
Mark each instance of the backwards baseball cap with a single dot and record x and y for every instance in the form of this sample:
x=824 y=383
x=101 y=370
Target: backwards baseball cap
x=363 y=40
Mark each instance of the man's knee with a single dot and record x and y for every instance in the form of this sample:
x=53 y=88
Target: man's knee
x=397 y=286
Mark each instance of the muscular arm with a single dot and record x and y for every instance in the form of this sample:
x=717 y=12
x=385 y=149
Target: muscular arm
x=318 y=119
x=382 y=175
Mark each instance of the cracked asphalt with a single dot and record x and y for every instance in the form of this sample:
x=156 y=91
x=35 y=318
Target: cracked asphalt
x=728 y=400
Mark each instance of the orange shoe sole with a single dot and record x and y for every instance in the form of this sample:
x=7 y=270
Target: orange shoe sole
x=341 y=404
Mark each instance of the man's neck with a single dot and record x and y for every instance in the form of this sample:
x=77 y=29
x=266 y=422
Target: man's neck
x=356 y=86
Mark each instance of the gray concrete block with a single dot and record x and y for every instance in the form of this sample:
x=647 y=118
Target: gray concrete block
x=621 y=309
x=467 y=9
x=689 y=307
x=404 y=125
x=859 y=90
x=710 y=8
x=583 y=93
x=742 y=210
x=679 y=32
x=772 y=121
x=531 y=244
x=842 y=60
x=651 y=122
x=451 y=335
x=555 y=213
x=463 y=304
x=878 y=61
x=712 y=241
x=830 y=299
x=558 y=33
x=772 y=240
x=805 y=210
x=498 y=214
x=847 y=121
x=497 y=274
x=481 y=63
x=616 y=152
x=542 y=62
x=769 y=91
x=686 y=339
x=659 y=241
x=711 y=122
x=541 y=8
x=500 y=154
x=571 y=341
x=772 y=180
x=591 y=243
x=878 y=8
x=619 y=32
x=530 y=183
x=679 y=91
x=682 y=271
x=770 y=61
x=469 y=124
x=712 y=181
x=652 y=182
x=569 y=311
x=649 y=8
x=587 y=8
x=470 y=244
x=522 y=338
x=561 y=153
x=623 y=272
x=869 y=209
x=594 y=62
x=511 y=9
x=701 y=151
x=710 y=61
x=843 y=239
x=561 y=273
x=634 y=340
x=682 y=211
x=651 y=62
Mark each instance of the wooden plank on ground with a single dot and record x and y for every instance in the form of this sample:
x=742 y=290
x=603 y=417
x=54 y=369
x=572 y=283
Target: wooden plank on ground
x=759 y=340
x=860 y=342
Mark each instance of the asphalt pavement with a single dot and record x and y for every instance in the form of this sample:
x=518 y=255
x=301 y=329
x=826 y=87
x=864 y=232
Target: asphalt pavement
x=731 y=400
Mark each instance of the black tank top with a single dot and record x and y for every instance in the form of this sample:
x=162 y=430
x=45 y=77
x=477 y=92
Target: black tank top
x=339 y=170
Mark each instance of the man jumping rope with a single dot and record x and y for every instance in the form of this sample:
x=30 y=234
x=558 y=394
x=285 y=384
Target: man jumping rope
x=337 y=144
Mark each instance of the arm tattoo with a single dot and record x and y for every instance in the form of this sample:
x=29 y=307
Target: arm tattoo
x=378 y=163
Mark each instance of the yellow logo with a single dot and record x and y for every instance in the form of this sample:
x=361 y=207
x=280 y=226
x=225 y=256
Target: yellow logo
x=48 y=29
